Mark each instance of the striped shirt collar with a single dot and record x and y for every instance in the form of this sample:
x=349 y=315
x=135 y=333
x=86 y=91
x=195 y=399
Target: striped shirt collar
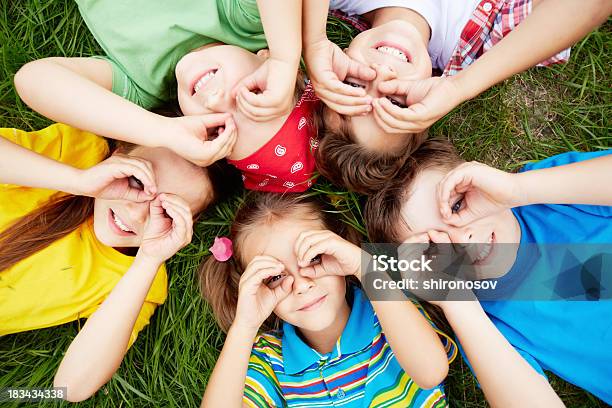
x=357 y=335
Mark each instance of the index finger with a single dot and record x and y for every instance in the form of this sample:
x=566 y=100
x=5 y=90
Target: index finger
x=215 y=119
x=331 y=82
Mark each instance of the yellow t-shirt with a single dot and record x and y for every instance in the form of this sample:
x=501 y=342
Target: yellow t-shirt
x=70 y=278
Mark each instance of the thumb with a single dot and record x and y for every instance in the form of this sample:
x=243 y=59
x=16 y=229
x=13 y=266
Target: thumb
x=135 y=195
x=360 y=70
x=283 y=290
x=214 y=119
x=250 y=82
x=461 y=218
x=396 y=86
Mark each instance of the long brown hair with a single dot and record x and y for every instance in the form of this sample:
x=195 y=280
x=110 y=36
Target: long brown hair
x=43 y=226
x=219 y=280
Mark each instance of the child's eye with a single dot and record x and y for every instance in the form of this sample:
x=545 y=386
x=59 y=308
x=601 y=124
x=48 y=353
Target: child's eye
x=316 y=260
x=274 y=281
x=354 y=84
x=396 y=102
x=135 y=183
x=457 y=206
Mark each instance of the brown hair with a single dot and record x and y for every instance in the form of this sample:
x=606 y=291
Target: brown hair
x=346 y=163
x=219 y=280
x=382 y=210
x=63 y=214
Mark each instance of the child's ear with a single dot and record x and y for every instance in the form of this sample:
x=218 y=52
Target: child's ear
x=263 y=53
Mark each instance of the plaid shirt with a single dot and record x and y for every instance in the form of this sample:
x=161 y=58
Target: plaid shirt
x=491 y=22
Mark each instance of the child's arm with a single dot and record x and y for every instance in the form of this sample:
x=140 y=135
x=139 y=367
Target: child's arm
x=108 y=179
x=486 y=190
x=255 y=304
x=416 y=345
x=505 y=377
x=275 y=78
x=552 y=26
x=328 y=65
x=97 y=351
x=77 y=91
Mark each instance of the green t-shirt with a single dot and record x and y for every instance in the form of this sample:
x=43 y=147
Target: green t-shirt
x=144 y=39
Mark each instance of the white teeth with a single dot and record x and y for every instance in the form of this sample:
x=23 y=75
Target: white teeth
x=394 y=52
x=120 y=224
x=486 y=250
x=202 y=81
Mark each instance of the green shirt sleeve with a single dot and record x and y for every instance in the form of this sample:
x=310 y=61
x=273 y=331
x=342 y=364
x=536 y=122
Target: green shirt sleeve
x=127 y=88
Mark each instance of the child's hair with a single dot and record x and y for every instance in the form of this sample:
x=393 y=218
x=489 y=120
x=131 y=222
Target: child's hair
x=62 y=215
x=219 y=280
x=345 y=162
x=382 y=210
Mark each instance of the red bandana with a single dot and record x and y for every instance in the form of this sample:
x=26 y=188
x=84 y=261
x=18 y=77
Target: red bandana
x=286 y=162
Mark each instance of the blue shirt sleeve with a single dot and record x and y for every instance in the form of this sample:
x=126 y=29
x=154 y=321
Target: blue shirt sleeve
x=261 y=387
x=574 y=157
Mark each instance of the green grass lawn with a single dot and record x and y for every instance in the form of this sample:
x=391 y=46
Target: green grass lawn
x=529 y=117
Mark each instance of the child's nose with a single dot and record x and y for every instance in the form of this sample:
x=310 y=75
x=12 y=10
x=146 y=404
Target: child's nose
x=219 y=101
x=384 y=72
x=302 y=284
x=138 y=213
x=462 y=235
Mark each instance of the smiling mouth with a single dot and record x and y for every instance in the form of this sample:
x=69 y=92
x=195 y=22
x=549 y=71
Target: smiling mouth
x=394 y=51
x=485 y=251
x=313 y=305
x=201 y=82
x=119 y=225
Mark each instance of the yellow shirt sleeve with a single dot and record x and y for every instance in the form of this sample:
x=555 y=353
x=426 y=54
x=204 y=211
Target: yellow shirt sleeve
x=147 y=310
x=62 y=143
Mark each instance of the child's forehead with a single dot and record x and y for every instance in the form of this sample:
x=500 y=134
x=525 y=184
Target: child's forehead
x=277 y=238
x=420 y=207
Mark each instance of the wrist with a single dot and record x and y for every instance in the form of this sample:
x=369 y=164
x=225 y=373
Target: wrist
x=147 y=261
x=158 y=129
x=521 y=195
x=314 y=41
x=466 y=87
x=73 y=181
x=243 y=330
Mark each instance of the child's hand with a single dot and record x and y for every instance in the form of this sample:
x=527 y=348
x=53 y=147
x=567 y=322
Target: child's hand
x=169 y=228
x=474 y=190
x=327 y=67
x=426 y=100
x=328 y=254
x=120 y=177
x=192 y=137
x=256 y=301
x=268 y=92
x=417 y=245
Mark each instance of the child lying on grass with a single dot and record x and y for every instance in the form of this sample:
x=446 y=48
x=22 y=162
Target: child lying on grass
x=565 y=199
x=377 y=116
x=201 y=52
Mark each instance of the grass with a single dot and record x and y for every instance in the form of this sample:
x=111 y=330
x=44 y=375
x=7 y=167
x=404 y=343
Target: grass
x=529 y=117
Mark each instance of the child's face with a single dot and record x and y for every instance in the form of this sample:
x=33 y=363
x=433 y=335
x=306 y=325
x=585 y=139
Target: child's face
x=313 y=304
x=420 y=212
x=400 y=51
x=121 y=223
x=206 y=76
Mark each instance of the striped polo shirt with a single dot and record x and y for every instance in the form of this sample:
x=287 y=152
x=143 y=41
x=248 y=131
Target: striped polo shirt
x=361 y=370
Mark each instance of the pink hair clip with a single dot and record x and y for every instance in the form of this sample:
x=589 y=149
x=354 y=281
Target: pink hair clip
x=222 y=249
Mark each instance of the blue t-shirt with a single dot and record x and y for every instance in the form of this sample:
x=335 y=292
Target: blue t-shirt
x=572 y=339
